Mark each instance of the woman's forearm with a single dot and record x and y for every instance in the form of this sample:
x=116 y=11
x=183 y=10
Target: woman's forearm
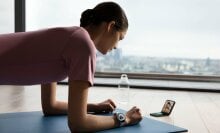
x=60 y=108
x=51 y=106
x=93 y=123
x=57 y=108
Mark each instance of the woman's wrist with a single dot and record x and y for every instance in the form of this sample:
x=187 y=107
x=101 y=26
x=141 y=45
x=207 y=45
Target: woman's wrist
x=121 y=119
x=127 y=120
x=117 y=123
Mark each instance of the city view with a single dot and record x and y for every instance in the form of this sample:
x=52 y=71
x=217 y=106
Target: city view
x=116 y=62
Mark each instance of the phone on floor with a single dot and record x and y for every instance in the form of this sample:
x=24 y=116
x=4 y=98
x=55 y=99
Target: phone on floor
x=166 y=110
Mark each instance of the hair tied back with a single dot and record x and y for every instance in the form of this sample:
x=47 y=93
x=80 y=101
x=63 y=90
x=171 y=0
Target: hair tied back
x=87 y=17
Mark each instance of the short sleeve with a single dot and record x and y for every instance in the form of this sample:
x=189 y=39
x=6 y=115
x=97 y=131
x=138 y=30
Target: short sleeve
x=81 y=57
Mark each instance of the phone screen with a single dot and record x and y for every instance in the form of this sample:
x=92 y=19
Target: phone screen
x=168 y=106
x=166 y=110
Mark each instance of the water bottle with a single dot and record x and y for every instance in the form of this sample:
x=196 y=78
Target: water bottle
x=123 y=88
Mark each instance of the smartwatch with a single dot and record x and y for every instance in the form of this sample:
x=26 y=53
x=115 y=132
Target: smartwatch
x=120 y=118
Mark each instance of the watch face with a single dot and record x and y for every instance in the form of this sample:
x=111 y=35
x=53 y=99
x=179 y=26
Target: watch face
x=121 y=117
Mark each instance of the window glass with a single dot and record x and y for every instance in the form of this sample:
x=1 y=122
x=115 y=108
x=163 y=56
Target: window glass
x=164 y=36
x=6 y=16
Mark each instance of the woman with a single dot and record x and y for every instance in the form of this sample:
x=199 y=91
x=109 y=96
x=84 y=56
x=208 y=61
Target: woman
x=50 y=55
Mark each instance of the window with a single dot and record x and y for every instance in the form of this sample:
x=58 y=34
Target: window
x=6 y=16
x=164 y=37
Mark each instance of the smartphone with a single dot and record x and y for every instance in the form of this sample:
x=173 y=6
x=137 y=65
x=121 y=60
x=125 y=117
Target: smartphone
x=166 y=110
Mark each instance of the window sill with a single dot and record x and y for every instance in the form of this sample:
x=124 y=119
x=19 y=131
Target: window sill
x=160 y=84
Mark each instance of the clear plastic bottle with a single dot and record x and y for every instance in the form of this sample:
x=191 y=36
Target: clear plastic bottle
x=123 y=88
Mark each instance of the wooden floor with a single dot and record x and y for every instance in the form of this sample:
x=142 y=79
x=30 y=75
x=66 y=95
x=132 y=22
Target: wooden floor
x=199 y=112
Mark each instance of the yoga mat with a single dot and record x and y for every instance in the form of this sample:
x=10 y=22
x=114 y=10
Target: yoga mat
x=35 y=122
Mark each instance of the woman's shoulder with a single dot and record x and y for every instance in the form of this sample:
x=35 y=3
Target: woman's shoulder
x=80 y=33
x=80 y=38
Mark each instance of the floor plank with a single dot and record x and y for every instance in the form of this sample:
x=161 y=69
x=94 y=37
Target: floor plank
x=208 y=111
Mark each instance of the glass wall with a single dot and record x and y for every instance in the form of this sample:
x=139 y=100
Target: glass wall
x=164 y=36
x=6 y=16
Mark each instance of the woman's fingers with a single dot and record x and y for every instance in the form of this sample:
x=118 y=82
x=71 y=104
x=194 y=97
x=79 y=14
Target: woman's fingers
x=136 y=110
x=105 y=107
x=108 y=107
x=134 y=116
x=112 y=103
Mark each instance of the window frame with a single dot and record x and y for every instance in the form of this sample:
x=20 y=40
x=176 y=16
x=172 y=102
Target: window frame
x=156 y=76
x=19 y=15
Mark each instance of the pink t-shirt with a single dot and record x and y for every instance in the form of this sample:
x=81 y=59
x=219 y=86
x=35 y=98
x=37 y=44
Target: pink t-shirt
x=45 y=56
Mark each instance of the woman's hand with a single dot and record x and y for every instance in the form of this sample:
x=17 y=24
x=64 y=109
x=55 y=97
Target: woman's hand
x=106 y=106
x=133 y=116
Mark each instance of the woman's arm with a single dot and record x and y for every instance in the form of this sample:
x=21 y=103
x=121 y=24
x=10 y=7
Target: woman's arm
x=78 y=119
x=50 y=105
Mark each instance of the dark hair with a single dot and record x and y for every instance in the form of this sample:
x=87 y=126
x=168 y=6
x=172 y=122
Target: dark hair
x=105 y=12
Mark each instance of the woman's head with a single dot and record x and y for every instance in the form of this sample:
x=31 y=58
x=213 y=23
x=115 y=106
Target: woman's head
x=105 y=12
x=106 y=23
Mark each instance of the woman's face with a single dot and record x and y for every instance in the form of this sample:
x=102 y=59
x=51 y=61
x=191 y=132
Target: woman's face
x=110 y=39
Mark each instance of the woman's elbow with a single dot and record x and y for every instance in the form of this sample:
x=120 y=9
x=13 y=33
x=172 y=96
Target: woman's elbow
x=77 y=127
x=48 y=110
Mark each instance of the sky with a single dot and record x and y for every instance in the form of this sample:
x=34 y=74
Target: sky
x=6 y=16
x=157 y=28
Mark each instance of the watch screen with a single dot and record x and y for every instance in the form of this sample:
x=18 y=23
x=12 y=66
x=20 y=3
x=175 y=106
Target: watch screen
x=121 y=117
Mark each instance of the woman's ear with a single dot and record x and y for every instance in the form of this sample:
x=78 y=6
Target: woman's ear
x=110 y=25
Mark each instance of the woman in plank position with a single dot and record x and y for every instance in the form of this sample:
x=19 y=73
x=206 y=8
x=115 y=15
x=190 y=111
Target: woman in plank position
x=51 y=55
